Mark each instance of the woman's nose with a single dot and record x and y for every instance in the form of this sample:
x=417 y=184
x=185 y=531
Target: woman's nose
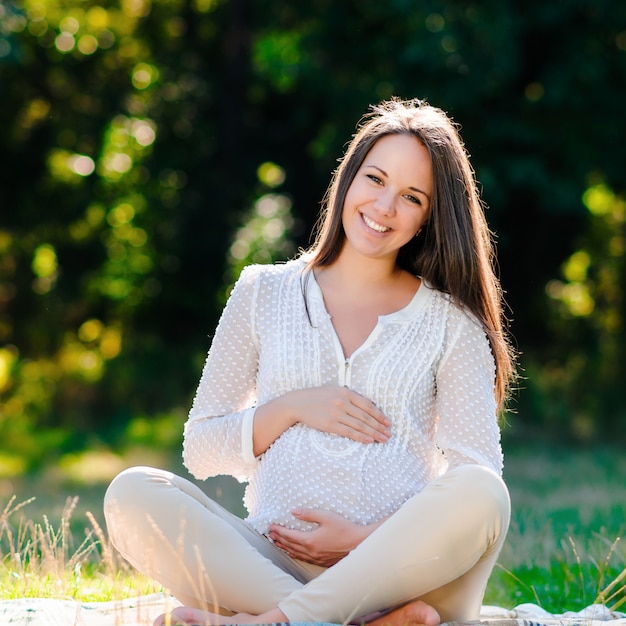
x=385 y=202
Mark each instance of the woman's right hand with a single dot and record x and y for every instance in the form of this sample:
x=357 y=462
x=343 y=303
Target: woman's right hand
x=340 y=411
x=330 y=409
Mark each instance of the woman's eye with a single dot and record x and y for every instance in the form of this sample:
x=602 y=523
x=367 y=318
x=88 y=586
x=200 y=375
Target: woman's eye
x=375 y=179
x=413 y=199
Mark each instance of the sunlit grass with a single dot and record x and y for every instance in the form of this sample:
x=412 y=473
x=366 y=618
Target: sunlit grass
x=47 y=559
x=564 y=579
x=564 y=550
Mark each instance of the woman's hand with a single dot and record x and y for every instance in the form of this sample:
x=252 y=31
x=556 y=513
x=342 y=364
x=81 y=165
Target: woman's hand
x=334 y=537
x=341 y=411
x=330 y=409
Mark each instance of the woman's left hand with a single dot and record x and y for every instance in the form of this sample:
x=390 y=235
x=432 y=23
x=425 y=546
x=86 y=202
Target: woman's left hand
x=334 y=537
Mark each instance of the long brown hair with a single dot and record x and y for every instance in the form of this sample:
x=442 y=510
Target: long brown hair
x=455 y=251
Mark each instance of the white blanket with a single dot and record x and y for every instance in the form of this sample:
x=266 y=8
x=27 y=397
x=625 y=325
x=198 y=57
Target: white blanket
x=141 y=611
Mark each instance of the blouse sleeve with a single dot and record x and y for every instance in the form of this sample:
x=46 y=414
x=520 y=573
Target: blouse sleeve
x=468 y=430
x=218 y=432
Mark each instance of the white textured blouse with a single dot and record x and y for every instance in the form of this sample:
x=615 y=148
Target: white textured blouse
x=428 y=367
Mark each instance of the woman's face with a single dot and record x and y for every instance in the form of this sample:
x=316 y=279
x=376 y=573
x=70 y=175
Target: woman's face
x=389 y=198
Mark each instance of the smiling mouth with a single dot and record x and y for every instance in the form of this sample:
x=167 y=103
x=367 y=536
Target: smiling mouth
x=379 y=228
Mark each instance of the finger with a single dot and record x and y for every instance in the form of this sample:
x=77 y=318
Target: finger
x=366 y=411
x=291 y=549
x=376 y=420
x=368 y=407
x=356 y=434
x=297 y=552
x=310 y=515
x=294 y=550
x=366 y=427
x=296 y=544
x=289 y=536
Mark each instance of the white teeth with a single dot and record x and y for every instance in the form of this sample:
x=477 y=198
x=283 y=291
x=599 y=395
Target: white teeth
x=375 y=226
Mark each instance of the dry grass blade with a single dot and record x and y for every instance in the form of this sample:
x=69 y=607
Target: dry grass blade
x=108 y=556
x=615 y=589
x=42 y=559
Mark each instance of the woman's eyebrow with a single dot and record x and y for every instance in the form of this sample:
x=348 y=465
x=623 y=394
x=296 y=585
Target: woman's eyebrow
x=382 y=171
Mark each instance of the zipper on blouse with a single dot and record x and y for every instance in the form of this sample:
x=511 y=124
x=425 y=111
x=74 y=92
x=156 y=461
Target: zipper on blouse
x=346 y=373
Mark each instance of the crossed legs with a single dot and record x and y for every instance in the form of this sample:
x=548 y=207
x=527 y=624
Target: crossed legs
x=430 y=560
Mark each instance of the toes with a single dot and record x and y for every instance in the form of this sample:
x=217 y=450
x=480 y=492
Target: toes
x=421 y=613
x=186 y=616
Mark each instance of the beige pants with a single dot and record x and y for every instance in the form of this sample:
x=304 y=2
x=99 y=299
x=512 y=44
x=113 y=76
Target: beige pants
x=440 y=546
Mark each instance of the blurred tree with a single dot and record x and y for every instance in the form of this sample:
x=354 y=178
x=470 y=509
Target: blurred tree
x=133 y=135
x=108 y=286
x=580 y=389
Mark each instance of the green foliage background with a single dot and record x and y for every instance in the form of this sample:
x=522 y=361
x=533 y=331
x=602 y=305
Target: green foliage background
x=151 y=148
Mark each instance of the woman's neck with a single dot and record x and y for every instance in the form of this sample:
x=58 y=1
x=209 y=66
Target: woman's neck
x=359 y=275
x=352 y=269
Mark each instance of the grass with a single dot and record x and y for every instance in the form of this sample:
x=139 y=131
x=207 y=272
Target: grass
x=41 y=559
x=47 y=560
x=52 y=536
x=563 y=551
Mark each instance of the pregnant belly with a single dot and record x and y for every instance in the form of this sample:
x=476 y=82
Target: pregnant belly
x=309 y=469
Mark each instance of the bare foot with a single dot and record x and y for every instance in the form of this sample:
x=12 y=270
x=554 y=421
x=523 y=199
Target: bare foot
x=412 y=614
x=186 y=616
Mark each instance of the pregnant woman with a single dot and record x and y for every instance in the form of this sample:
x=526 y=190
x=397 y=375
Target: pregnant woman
x=356 y=389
